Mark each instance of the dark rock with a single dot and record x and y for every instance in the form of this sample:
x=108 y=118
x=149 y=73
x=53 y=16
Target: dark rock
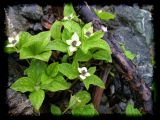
x=34 y=12
x=14 y=21
x=122 y=105
x=37 y=27
x=137 y=35
x=18 y=104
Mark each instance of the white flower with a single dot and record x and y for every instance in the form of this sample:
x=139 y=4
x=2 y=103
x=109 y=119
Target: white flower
x=13 y=40
x=88 y=32
x=73 y=43
x=68 y=17
x=104 y=28
x=83 y=73
x=99 y=11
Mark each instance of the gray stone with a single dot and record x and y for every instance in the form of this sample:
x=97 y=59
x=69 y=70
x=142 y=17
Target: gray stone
x=137 y=35
x=138 y=19
x=18 y=104
x=14 y=21
x=34 y=12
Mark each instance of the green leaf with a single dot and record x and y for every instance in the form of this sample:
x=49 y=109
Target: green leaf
x=58 y=45
x=79 y=99
x=66 y=35
x=92 y=70
x=52 y=69
x=95 y=41
x=39 y=41
x=23 y=84
x=72 y=26
x=95 y=80
x=81 y=56
x=36 y=69
x=68 y=70
x=64 y=58
x=103 y=55
x=9 y=50
x=55 y=110
x=104 y=15
x=128 y=53
x=56 y=30
x=75 y=64
x=87 y=28
x=23 y=38
x=97 y=35
x=56 y=84
x=131 y=111
x=87 y=111
x=37 y=98
x=45 y=79
x=68 y=10
x=36 y=47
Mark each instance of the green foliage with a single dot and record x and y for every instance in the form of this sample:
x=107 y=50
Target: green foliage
x=79 y=106
x=79 y=99
x=128 y=53
x=56 y=30
x=131 y=111
x=92 y=70
x=23 y=84
x=37 y=98
x=43 y=75
x=81 y=56
x=95 y=41
x=106 y=16
x=36 y=47
x=94 y=80
x=68 y=10
x=52 y=69
x=55 y=110
x=87 y=111
x=102 y=55
x=56 y=84
x=68 y=70
x=72 y=27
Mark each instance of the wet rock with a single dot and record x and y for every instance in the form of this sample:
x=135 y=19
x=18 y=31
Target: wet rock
x=37 y=27
x=138 y=19
x=18 y=103
x=136 y=32
x=33 y=12
x=133 y=28
x=14 y=21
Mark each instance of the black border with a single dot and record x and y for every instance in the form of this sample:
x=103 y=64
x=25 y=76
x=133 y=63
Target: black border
x=4 y=66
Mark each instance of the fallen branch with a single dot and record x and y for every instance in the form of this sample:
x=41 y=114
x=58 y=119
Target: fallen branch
x=99 y=91
x=123 y=65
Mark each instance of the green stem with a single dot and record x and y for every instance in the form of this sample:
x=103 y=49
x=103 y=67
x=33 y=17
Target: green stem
x=66 y=110
x=75 y=81
x=28 y=61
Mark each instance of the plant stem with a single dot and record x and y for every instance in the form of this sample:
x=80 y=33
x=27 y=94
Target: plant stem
x=74 y=82
x=66 y=110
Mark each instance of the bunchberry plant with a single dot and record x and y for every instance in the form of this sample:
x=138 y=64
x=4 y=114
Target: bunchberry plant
x=79 y=44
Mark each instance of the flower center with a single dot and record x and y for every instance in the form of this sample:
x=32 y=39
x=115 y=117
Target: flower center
x=88 y=33
x=14 y=41
x=74 y=43
x=83 y=72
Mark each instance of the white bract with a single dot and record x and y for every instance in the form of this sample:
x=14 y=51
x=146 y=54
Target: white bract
x=73 y=43
x=104 y=28
x=68 y=17
x=13 y=40
x=88 y=32
x=83 y=73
